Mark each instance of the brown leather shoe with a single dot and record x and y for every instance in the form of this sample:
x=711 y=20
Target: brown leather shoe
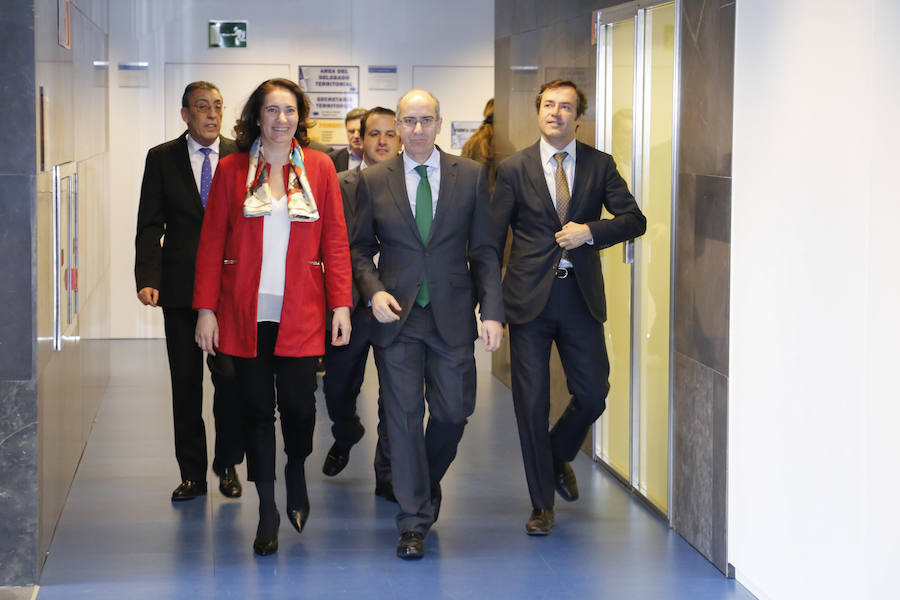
x=540 y=522
x=229 y=484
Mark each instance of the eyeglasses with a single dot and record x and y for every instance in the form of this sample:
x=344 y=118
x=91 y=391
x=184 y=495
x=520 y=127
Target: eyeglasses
x=411 y=122
x=205 y=107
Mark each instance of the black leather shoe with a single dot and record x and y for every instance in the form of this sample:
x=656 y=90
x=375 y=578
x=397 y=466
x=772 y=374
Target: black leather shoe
x=337 y=459
x=188 y=490
x=298 y=517
x=229 y=484
x=263 y=546
x=540 y=522
x=436 y=497
x=564 y=477
x=411 y=545
x=385 y=489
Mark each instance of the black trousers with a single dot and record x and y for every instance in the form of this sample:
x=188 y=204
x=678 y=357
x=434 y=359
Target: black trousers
x=186 y=371
x=268 y=381
x=345 y=367
x=416 y=367
x=579 y=339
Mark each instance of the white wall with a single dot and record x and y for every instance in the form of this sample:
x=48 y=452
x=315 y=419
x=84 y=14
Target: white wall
x=406 y=33
x=813 y=415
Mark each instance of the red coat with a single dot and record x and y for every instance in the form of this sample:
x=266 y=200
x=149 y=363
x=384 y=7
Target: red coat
x=231 y=289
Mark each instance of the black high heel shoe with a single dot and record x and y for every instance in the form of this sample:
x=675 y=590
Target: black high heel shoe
x=265 y=547
x=297 y=496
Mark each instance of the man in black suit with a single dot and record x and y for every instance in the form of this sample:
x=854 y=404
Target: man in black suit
x=350 y=157
x=428 y=215
x=552 y=194
x=176 y=183
x=346 y=365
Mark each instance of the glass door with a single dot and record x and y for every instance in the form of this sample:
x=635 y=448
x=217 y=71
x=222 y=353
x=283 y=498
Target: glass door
x=636 y=87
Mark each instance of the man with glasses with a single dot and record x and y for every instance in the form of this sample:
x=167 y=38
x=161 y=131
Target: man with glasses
x=427 y=214
x=177 y=177
x=553 y=194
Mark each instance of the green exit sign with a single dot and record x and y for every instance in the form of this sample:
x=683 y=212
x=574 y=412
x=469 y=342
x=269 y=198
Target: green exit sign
x=228 y=34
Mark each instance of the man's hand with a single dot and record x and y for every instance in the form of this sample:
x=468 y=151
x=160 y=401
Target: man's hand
x=207 y=333
x=492 y=334
x=385 y=307
x=340 y=326
x=148 y=296
x=573 y=235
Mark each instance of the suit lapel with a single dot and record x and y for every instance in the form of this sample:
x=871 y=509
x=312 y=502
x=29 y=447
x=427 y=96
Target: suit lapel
x=447 y=188
x=582 y=171
x=396 y=179
x=183 y=162
x=535 y=173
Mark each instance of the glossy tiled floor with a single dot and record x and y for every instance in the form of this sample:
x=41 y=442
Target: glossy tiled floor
x=120 y=537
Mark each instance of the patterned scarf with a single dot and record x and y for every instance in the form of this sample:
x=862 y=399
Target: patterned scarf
x=258 y=199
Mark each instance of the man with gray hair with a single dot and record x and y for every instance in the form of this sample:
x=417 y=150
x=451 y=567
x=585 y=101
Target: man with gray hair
x=177 y=180
x=426 y=212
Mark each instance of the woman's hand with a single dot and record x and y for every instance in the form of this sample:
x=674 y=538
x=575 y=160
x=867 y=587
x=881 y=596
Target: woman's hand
x=340 y=326
x=207 y=333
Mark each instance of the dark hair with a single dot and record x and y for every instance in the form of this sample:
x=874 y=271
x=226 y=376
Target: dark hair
x=557 y=83
x=355 y=113
x=246 y=128
x=480 y=146
x=378 y=110
x=196 y=85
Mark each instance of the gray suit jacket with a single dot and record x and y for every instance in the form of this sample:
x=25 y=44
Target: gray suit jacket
x=521 y=200
x=459 y=257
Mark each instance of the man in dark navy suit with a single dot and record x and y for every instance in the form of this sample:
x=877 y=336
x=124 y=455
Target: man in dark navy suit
x=176 y=183
x=553 y=194
x=350 y=157
x=346 y=365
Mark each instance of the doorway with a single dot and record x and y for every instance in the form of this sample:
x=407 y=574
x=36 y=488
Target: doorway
x=636 y=95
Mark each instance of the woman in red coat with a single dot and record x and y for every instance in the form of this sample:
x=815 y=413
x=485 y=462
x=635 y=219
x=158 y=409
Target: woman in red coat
x=273 y=241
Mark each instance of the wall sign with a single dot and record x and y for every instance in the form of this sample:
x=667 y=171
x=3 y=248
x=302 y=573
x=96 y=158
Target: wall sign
x=228 y=34
x=461 y=131
x=382 y=77
x=331 y=106
x=332 y=80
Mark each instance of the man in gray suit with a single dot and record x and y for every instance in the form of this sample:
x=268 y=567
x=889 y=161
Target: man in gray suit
x=427 y=214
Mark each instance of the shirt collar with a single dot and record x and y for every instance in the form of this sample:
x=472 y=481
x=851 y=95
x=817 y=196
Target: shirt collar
x=547 y=151
x=433 y=161
x=193 y=146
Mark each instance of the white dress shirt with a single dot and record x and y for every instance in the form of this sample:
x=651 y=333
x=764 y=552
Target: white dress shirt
x=549 y=164
x=197 y=157
x=412 y=178
x=353 y=160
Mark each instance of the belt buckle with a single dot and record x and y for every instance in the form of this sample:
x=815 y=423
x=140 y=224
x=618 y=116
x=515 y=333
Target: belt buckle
x=561 y=273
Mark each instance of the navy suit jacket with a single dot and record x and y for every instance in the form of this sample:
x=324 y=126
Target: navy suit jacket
x=522 y=201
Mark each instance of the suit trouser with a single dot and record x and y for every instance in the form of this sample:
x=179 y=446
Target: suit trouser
x=186 y=371
x=345 y=367
x=579 y=339
x=418 y=366
x=267 y=381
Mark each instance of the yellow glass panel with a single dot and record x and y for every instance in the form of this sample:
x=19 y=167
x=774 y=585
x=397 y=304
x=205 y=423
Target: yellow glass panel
x=653 y=255
x=615 y=435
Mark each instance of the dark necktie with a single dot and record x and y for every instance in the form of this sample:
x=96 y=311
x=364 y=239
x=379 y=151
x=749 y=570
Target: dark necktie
x=205 y=176
x=423 y=222
x=562 y=192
